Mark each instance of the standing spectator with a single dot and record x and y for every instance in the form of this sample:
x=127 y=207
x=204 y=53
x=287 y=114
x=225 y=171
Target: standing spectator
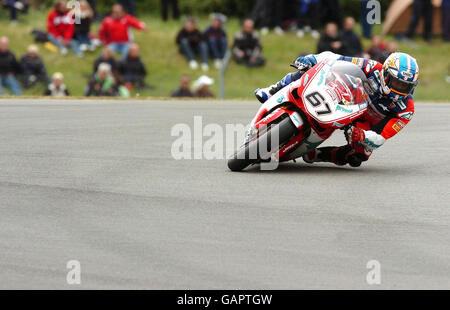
x=132 y=69
x=445 y=7
x=129 y=6
x=191 y=42
x=366 y=27
x=57 y=88
x=106 y=57
x=421 y=8
x=33 y=68
x=9 y=67
x=16 y=6
x=60 y=28
x=114 y=30
x=102 y=83
x=165 y=9
x=247 y=46
x=330 y=40
x=267 y=14
x=308 y=18
x=83 y=28
x=377 y=51
x=331 y=12
x=202 y=87
x=217 y=39
x=350 y=39
x=184 y=90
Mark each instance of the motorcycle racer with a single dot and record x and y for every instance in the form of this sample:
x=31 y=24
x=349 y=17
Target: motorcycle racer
x=390 y=110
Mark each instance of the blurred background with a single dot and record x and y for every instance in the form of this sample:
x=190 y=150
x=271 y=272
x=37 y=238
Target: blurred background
x=190 y=48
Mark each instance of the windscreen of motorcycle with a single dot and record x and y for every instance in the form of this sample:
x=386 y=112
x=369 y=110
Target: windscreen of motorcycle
x=337 y=91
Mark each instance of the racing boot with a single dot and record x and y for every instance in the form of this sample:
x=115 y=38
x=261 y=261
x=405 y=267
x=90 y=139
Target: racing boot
x=263 y=94
x=312 y=157
x=337 y=155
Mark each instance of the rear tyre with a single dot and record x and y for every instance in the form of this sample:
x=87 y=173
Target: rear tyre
x=242 y=159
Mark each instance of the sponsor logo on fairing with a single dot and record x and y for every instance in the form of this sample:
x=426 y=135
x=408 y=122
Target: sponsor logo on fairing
x=339 y=108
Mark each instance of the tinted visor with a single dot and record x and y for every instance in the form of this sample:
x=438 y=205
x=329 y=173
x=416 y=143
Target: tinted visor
x=397 y=85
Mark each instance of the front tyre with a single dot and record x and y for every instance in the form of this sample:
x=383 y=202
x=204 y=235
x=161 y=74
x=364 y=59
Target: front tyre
x=242 y=159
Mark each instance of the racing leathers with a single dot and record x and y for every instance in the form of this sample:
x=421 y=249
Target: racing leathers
x=383 y=120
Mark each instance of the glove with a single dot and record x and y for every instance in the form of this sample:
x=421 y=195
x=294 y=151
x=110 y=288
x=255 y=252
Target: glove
x=355 y=135
x=305 y=63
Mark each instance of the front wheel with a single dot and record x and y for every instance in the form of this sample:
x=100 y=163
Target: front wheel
x=243 y=158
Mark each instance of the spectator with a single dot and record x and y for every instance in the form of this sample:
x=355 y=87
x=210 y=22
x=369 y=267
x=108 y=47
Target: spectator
x=267 y=14
x=114 y=30
x=106 y=57
x=445 y=7
x=129 y=6
x=93 y=5
x=83 y=28
x=16 y=6
x=377 y=51
x=191 y=42
x=165 y=9
x=366 y=26
x=202 y=87
x=132 y=69
x=60 y=28
x=217 y=39
x=308 y=18
x=331 y=12
x=9 y=67
x=33 y=68
x=330 y=40
x=184 y=90
x=391 y=48
x=57 y=88
x=350 y=39
x=102 y=83
x=247 y=46
x=421 y=8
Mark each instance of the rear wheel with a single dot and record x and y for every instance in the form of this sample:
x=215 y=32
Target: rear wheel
x=243 y=158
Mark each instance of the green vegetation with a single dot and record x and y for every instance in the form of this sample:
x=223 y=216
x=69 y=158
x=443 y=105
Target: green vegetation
x=165 y=65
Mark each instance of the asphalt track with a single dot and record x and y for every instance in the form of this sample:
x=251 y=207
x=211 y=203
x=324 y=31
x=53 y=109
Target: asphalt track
x=96 y=182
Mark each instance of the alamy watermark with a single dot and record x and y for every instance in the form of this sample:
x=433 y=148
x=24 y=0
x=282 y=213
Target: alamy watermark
x=74 y=275
x=373 y=277
x=373 y=15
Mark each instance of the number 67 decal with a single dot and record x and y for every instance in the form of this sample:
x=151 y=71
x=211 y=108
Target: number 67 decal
x=316 y=100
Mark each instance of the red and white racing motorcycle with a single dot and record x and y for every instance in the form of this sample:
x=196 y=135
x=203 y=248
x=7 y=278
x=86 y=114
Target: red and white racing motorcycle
x=302 y=115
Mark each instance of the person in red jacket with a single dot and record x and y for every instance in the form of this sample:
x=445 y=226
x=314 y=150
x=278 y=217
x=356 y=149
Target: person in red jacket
x=114 y=30
x=60 y=29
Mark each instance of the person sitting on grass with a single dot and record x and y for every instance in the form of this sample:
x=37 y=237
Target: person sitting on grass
x=82 y=29
x=350 y=39
x=184 y=91
x=57 y=88
x=132 y=70
x=103 y=84
x=217 y=39
x=60 y=29
x=106 y=57
x=377 y=51
x=247 y=46
x=331 y=41
x=9 y=68
x=202 y=87
x=192 y=42
x=115 y=30
x=33 y=68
